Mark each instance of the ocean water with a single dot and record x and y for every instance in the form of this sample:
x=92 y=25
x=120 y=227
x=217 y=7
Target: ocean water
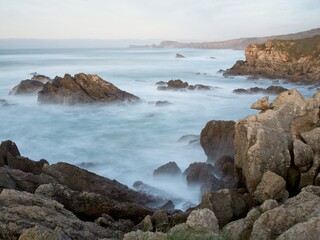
x=124 y=142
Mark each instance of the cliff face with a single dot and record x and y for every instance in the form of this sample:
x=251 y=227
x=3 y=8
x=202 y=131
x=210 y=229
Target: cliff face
x=295 y=60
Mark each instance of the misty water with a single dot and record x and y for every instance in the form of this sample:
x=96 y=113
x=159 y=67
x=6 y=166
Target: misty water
x=124 y=142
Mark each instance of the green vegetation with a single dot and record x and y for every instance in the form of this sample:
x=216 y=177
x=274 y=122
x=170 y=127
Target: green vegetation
x=307 y=47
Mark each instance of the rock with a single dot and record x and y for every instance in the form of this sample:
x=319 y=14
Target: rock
x=262 y=104
x=251 y=217
x=273 y=90
x=241 y=91
x=27 y=87
x=309 y=230
x=237 y=230
x=139 y=235
x=146 y=224
x=160 y=221
x=180 y=231
x=162 y=103
x=202 y=174
x=308 y=177
x=272 y=186
x=161 y=83
x=22 y=210
x=263 y=141
x=168 y=206
x=317 y=180
x=199 y=87
x=269 y=205
x=227 y=205
x=217 y=139
x=82 y=89
x=312 y=138
x=303 y=155
x=177 y=84
x=41 y=78
x=42 y=233
x=6 y=181
x=203 y=220
x=178 y=55
x=222 y=164
x=298 y=209
x=8 y=149
x=168 y=169
x=226 y=171
x=294 y=60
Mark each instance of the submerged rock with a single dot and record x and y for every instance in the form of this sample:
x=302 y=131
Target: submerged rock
x=82 y=89
x=178 y=55
x=168 y=169
x=274 y=90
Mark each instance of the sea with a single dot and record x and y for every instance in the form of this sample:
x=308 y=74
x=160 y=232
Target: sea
x=126 y=142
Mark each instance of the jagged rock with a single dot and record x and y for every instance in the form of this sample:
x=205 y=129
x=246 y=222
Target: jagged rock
x=273 y=90
x=217 y=139
x=308 y=177
x=298 y=209
x=82 y=88
x=262 y=104
x=177 y=84
x=203 y=220
x=27 y=87
x=41 y=78
x=263 y=141
x=199 y=87
x=178 y=55
x=8 y=149
x=227 y=204
x=309 y=230
x=42 y=233
x=22 y=210
x=6 y=181
x=272 y=186
x=303 y=155
x=269 y=205
x=312 y=138
x=168 y=169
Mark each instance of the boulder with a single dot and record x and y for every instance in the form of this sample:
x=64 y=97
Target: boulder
x=308 y=178
x=237 y=230
x=203 y=220
x=42 y=233
x=177 y=84
x=217 y=139
x=82 y=89
x=41 y=78
x=272 y=90
x=303 y=155
x=160 y=221
x=269 y=205
x=262 y=104
x=295 y=210
x=264 y=141
x=139 y=235
x=312 y=138
x=272 y=186
x=27 y=87
x=227 y=204
x=168 y=169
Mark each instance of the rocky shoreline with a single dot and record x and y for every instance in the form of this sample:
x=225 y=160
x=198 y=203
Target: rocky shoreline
x=261 y=181
x=293 y=60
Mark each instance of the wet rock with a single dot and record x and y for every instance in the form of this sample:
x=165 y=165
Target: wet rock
x=217 y=139
x=272 y=186
x=168 y=169
x=199 y=87
x=190 y=139
x=27 y=87
x=178 y=55
x=161 y=83
x=273 y=90
x=4 y=103
x=203 y=220
x=82 y=89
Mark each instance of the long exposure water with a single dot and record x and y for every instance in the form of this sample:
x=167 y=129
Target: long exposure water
x=124 y=142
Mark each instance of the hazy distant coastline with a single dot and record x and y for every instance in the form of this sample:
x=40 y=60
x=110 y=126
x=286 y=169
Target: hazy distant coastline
x=238 y=44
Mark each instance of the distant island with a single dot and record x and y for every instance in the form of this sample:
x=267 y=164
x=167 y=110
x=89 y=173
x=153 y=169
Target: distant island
x=238 y=44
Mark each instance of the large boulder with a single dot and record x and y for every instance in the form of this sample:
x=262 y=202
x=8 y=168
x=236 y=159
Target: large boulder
x=203 y=220
x=82 y=88
x=168 y=169
x=27 y=87
x=264 y=141
x=217 y=139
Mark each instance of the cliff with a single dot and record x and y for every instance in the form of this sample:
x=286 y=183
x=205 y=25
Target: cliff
x=240 y=43
x=295 y=60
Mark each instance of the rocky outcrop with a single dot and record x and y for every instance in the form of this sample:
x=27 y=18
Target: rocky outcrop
x=82 y=89
x=266 y=141
x=217 y=139
x=295 y=60
x=63 y=200
x=274 y=90
x=178 y=55
x=41 y=78
x=178 y=84
x=27 y=87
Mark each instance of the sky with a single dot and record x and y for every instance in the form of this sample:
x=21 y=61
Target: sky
x=198 y=20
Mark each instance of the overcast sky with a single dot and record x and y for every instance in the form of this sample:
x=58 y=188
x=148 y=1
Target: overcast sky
x=155 y=19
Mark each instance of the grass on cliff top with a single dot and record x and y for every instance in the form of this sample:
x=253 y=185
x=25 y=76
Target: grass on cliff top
x=300 y=47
